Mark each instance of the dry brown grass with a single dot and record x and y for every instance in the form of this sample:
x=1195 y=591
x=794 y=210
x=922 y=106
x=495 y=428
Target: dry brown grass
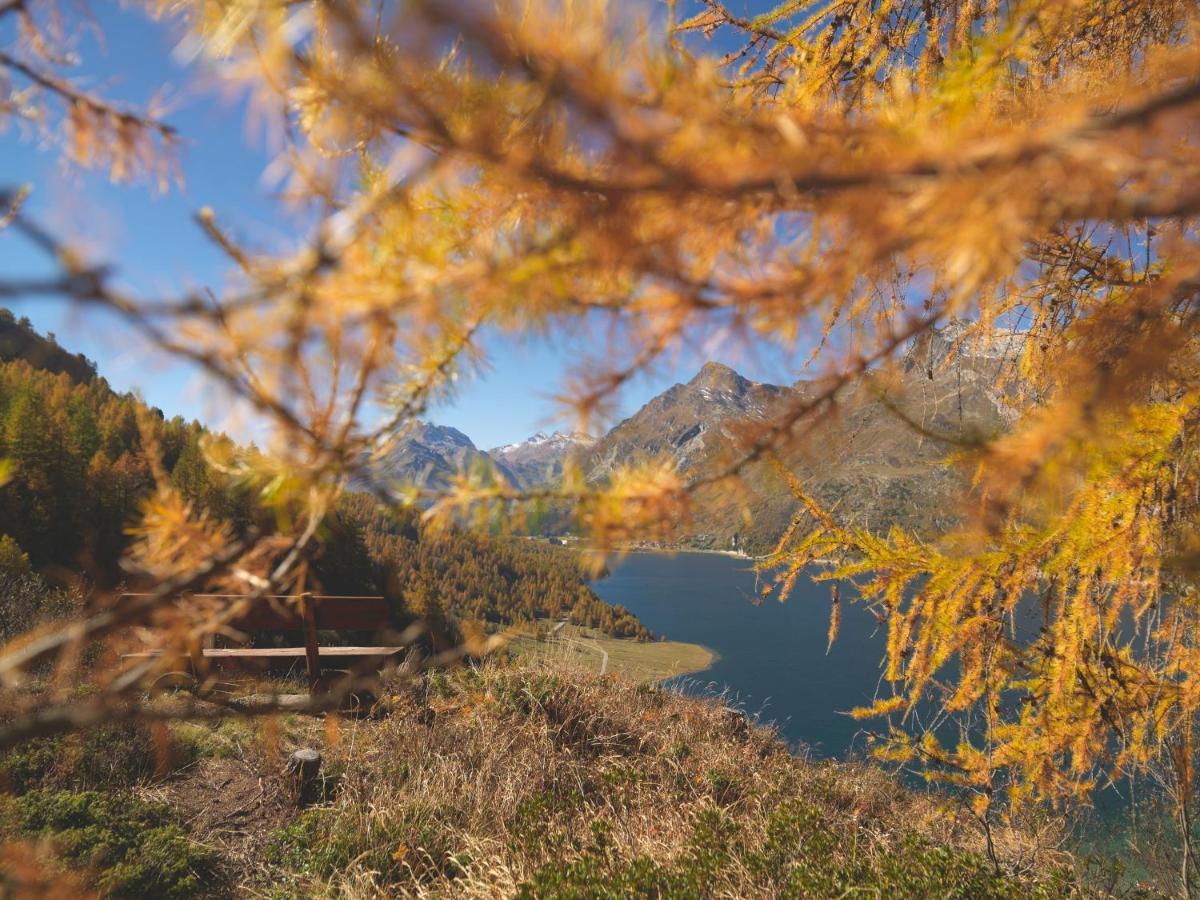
x=487 y=781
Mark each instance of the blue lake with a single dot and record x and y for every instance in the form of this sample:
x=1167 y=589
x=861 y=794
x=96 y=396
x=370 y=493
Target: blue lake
x=773 y=661
x=772 y=656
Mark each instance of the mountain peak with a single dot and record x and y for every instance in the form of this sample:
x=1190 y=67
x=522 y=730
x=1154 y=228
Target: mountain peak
x=539 y=459
x=712 y=368
x=428 y=433
x=718 y=376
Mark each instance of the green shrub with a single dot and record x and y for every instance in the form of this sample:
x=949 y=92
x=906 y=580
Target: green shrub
x=535 y=822
x=726 y=787
x=600 y=874
x=31 y=765
x=133 y=847
x=26 y=601
x=523 y=693
x=416 y=847
x=438 y=684
x=531 y=819
x=801 y=855
x=620 y=775
x=110 y=756
x=115 y=755
x=680 y=750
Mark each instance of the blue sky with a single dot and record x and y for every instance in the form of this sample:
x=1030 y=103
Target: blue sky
x=155 y=246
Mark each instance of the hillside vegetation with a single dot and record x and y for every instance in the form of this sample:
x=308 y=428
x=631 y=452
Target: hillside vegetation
x=503 y=780
x=82 y=457
x=464 y=575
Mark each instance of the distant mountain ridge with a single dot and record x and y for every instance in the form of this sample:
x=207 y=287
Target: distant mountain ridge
x=430 y=455
x=865 y=460
x=862 y=459
x=539 y=459
x=686 y=421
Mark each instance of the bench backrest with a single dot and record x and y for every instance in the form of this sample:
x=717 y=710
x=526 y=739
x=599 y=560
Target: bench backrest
x=308 y=613
x=287 y=613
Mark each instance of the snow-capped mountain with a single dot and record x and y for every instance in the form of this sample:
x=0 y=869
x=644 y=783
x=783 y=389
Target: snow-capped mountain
x=428 y=455
x=539 y=459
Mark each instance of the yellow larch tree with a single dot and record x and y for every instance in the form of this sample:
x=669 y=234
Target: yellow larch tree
x=846 y=174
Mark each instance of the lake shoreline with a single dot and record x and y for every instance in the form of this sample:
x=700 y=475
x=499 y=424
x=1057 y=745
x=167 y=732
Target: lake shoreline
x=652 y=662
x=671 y=551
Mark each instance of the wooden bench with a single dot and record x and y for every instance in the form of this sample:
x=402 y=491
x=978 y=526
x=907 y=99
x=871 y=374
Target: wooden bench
x=306 y=613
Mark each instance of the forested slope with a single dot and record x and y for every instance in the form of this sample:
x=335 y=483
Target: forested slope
x=18 y=340
x=79 y=459
x=79 y=468
x=464 y=575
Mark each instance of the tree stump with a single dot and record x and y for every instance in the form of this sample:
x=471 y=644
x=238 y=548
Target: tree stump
x=304 y=768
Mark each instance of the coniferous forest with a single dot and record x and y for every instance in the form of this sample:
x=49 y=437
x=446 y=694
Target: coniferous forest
x=81 y=461
x=463 y=575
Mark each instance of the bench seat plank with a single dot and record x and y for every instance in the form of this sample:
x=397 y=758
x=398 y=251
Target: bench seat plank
x=277 y=652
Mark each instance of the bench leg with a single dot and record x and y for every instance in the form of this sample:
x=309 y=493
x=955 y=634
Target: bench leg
x=312 y=655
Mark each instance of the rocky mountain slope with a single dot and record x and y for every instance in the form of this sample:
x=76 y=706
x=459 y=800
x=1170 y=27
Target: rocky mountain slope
x=875 y=467
x=428 y=455
x=862 y=457
x=687 y=422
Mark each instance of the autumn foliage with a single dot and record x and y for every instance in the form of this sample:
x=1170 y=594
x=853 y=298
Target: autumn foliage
x=844 y=176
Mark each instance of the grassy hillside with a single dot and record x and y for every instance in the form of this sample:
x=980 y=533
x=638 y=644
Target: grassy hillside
x=646 y=662
x=499 y=781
